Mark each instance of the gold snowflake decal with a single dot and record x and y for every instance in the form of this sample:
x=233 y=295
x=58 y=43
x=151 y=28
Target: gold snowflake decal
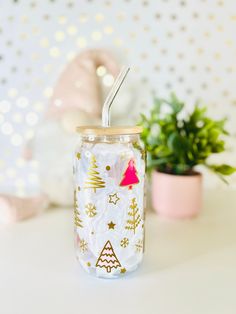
x=83 y=245
x=139 y=246
x=91 y=210
x=124 y=242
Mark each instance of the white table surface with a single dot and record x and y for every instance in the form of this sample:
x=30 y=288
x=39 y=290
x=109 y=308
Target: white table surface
x=189 y=267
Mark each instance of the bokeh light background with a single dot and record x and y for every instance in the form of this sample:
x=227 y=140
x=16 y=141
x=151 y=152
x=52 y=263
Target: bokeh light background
x=184 y=46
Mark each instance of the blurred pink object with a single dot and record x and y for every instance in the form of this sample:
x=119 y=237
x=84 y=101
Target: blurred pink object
x=13 y=208
x=78 y=86
x=27 y=153
x=76 y=100
x=176 y=196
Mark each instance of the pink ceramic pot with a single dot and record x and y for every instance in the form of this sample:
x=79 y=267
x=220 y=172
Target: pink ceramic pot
x=176 y=196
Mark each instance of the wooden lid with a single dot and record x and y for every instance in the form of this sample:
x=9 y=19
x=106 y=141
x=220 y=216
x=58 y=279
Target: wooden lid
x=113 y=130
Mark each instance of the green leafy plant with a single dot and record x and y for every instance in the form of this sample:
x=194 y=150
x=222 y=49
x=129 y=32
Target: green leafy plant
x=177 y=144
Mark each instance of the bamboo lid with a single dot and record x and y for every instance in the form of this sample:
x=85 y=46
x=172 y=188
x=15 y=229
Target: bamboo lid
x=113 y=130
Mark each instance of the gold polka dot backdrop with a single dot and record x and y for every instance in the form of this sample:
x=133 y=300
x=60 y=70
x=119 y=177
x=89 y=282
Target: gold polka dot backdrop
x=184 y=46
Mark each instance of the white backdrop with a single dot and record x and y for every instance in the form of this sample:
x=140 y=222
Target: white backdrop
x=184 y=46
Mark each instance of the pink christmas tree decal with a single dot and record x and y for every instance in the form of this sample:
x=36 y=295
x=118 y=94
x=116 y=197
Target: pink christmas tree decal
x=130 y=176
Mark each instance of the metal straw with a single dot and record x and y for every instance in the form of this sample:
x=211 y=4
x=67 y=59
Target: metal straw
x=111 y=96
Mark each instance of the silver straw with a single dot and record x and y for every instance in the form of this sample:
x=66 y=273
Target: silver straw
x=111 y=96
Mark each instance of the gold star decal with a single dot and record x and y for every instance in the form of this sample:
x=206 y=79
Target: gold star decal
x=113 y=198
x=111 y=225
x=123 y=270
x=78 y=155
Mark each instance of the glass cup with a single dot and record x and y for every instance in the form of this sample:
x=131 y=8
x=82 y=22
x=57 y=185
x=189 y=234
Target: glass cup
x=109 y=175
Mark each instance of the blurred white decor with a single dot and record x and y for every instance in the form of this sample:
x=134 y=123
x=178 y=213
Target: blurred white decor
x=184 y=46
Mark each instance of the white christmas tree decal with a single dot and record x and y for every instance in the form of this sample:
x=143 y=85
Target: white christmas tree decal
x=107 y=258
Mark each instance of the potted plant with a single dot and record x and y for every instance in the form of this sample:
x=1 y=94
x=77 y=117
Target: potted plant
x=176 y=142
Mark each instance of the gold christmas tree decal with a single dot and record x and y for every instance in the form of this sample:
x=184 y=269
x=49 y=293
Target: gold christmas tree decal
x=78 y=221
x=94 y=180
x=107 y=258
x=135 y=220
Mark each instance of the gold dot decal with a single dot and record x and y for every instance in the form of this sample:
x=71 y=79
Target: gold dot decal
x=99 y=17
x=44 y=42
x=96 y=36
x=118 y=42
x=81 y=42
x=83 y=18
x=108 y=168
x=48 y=92
x=54 y=52
x=108 y=30
x=59 y=36
x=72 y=30
x=108 y=80
x=62 y=20
x=101 y=70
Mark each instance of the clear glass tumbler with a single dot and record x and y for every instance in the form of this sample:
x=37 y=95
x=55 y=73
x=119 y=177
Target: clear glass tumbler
x=109 y=175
